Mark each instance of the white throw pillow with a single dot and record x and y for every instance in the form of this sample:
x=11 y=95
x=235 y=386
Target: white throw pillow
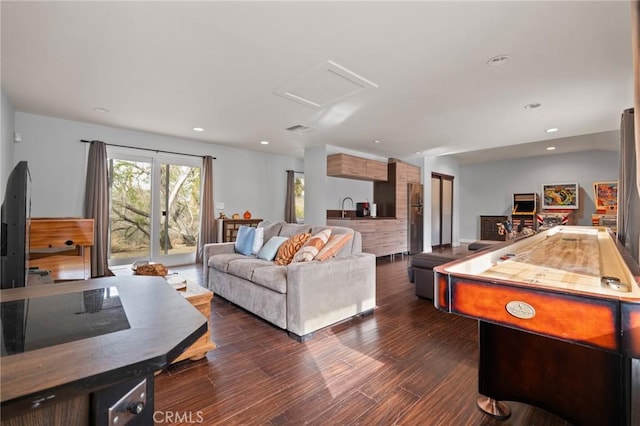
x=258 y=240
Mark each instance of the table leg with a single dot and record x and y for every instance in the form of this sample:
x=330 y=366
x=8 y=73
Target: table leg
x=494 y=408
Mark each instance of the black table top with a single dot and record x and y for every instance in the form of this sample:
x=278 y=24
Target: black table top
x=158 y=324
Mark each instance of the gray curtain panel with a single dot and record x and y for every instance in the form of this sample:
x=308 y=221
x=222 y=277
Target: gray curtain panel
x=96 y=207
x=628 y=198
x=207 y=213
x=290 y=199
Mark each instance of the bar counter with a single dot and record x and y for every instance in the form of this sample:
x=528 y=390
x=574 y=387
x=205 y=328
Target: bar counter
x=66 y=347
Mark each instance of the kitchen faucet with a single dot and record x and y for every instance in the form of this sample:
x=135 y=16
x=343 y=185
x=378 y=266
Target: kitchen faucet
x=343 y=200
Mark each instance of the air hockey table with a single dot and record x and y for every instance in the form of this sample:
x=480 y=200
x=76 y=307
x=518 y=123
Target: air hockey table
x=559 y=323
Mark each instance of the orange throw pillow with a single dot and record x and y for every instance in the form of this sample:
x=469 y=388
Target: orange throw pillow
x=312 y=247
x=289 y=248
x=333 y=246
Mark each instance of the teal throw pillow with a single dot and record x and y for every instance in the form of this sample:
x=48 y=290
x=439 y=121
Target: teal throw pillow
x=270 y=248
x=244 y=240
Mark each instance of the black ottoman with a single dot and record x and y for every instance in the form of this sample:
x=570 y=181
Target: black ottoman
x=421 y=269
x=421 y=265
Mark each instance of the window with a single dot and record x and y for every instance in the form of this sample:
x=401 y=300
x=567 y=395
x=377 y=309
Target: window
x=155 y=208
x=299 y=195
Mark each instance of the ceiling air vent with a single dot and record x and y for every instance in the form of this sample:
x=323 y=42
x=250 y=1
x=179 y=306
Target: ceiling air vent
x=301 y=128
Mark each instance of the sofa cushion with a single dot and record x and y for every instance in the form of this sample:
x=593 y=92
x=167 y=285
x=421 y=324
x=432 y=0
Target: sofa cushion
x=244 y=240
x=273 y=277
x=290 y=229
x=271 y=229
x=270 y=249
x=335 y=244
x=289 y=248
x=313 y=245
x=244 y=268
x=348 y=248
x=221 y=261
x=258 y=240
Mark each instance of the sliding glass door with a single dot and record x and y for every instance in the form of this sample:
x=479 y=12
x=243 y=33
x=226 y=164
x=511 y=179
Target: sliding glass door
x=155 y=208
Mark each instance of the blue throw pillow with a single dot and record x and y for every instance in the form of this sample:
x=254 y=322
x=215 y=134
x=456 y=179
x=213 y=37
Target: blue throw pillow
x=270 y=249
x=244 y=240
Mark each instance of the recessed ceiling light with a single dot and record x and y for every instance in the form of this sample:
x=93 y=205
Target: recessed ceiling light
x=496 y=61
x=264 y=142
x=100 y=109
x=198 y=129
x=376 y=141
x=551 y=148
x=552 y=130
x=532 y=106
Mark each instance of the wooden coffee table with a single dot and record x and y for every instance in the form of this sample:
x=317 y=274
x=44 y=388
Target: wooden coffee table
x=199 y=297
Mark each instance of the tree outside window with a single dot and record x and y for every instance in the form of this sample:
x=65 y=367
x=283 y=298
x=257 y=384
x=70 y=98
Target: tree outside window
x=299 y=195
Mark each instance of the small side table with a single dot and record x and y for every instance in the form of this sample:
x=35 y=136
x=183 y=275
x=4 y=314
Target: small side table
x=200 y=298
x=228 y=228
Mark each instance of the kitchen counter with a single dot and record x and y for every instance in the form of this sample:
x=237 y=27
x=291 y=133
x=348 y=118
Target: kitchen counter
x=359 y=218
x=351 y=215
x=67 y=342
x=381 y=236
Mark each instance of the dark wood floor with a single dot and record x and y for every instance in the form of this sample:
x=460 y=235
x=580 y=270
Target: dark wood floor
x=408 y=363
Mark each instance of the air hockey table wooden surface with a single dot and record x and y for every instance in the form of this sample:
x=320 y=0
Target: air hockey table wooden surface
x=559 y=323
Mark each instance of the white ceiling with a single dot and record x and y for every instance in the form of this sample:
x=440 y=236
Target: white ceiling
x=166 y=67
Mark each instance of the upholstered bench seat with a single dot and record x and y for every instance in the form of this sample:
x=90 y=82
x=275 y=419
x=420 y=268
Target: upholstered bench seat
x=422 y=264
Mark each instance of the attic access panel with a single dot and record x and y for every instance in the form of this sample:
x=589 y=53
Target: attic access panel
x=323 y=84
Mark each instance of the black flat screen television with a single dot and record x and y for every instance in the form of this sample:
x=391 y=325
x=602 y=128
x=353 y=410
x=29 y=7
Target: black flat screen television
x=16 y=213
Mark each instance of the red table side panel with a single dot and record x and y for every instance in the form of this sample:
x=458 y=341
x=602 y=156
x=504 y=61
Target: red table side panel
x=589 y=321
x=441 y=292
x=631 y=329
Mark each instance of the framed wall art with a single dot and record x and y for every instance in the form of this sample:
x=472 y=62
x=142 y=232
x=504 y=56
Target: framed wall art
x=560 y=196
x=605 y=195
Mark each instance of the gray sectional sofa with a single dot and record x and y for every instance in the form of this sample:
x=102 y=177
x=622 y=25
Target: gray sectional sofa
x=300 y=297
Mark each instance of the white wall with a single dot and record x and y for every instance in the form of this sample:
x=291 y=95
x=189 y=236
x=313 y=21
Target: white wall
x=339 y=188
x=488 y=188
x=244 y=180
x=315 y=182
x=254 y=181
x=6 y=142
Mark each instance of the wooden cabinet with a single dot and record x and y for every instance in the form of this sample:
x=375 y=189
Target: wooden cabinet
x=352 y=167
x=61 y=246
x=228 y=228
x=381 y=237
x=376 y=170
x=392 y=197
x=489 y=227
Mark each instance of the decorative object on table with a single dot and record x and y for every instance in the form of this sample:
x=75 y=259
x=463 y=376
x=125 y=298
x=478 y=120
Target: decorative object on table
x=560 y=196
x=247 y=215
x=222 y=216
x=139 y=263
x=235 y=216
x=155 y=269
